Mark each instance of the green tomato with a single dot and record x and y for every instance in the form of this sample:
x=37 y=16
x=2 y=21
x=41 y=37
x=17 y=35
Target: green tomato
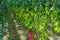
x=56 y=29
x=56 y=24
x=41 y=38
x=41 y=27
x=26 y=25
x=30 y=27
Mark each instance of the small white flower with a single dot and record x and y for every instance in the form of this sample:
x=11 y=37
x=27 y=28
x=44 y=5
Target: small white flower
x=5 y=37
x=20 y=32
x=14 y=20
x=22 y=37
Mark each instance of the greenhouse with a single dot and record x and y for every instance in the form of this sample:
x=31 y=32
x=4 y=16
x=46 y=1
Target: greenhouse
x=29 y=19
